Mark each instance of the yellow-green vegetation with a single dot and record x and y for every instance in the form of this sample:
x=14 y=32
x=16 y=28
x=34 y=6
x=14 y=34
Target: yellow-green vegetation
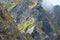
x=9 y=5
x=25 y=23
x=32 y=5
x=8 y=19
x=6 y=15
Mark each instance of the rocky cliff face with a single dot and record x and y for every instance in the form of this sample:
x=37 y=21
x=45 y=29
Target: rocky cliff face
x=28 y=20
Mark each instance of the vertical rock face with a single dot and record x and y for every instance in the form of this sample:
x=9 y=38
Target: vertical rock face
x=46 y=27
x=56 y=11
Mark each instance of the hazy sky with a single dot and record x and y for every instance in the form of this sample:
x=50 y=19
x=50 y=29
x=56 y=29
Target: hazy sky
x=48 y=4
x=53 y=2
